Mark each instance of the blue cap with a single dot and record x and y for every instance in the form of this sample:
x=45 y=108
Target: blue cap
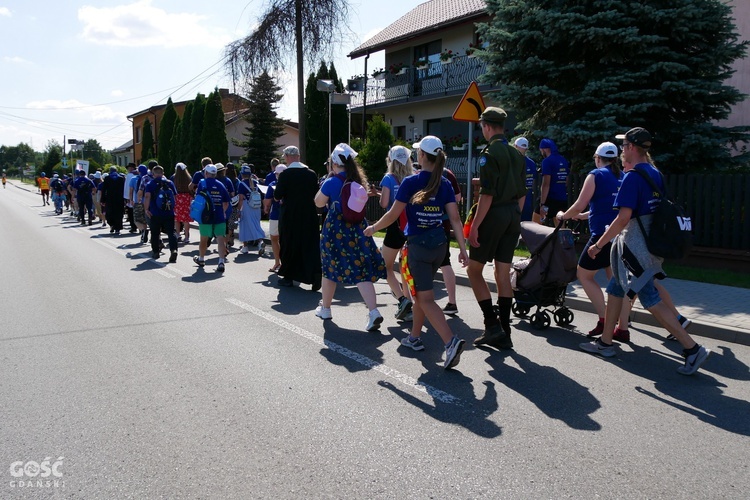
x=548 y=144
x=44 y=175
x=142 y=169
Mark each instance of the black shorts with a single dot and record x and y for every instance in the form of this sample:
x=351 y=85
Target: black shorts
x=554 y=206
x=423 y=263
x=394 y=237
x=602 y=259
x=447 y=258
x=498 y=234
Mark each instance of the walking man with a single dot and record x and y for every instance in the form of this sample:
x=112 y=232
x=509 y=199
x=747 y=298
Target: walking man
x=555 y=171
x=158 y=200
x=217 y=227
x=496 y=226
x=84 y=191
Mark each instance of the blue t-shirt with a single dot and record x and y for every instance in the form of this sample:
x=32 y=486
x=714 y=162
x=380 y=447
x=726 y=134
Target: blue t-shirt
x=270 y=178
x=197 y=177
x=155 y=188
x=530 y=174
x=84 y=186
x=601 y=206
x=424 y=217
x=332 y=188
x=219 y=195
x=636 y=194
x=273 y=214
x=391 y=182
x=229 y=185
x=134 y=184
x=558 y=169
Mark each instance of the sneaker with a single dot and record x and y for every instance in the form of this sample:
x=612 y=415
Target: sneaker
x=323 y=312
x=621 y=335
x=173 y=258
x=453 y=353
x=198 y=261
x=685 y=322
x=694 y=361
x=155 y=255
x=244 y=250
x=415 y=344
x=596 y=347
x=492 y=335
x=404 y=308
x=450 y=309
x=186 y=241
x=220 y=267
x=597 y=331
x=408 y=317
x=374 y=318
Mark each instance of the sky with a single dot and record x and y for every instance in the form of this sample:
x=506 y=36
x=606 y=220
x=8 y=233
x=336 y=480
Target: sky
x=76 y=69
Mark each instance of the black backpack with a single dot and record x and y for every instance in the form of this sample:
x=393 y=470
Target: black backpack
x=671 y=233
x=85 y=188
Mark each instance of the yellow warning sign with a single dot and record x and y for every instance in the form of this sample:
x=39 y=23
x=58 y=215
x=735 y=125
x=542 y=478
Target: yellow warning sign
x=471 y=106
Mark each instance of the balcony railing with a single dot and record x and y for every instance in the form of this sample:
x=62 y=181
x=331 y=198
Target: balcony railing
x=435 y=79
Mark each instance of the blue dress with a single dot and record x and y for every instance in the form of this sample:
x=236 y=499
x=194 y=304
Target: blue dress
x=347 y=255
x=249 y=226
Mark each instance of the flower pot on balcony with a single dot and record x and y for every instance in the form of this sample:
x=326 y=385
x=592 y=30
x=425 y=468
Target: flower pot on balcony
x=379 y=76
x=422 y=66
x=402 y=71
x=446 y=61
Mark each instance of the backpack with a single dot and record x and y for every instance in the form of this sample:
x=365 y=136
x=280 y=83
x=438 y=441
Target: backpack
x=85 y=188
x=166 y=197
x=353 y=202
x=671 y=232
x=202 y=208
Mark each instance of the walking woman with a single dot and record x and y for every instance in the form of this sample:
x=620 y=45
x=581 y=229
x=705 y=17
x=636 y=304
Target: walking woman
x=598 y=194
x=347 y=255
x=399 y=168
x=425 y=197
x=182 y=217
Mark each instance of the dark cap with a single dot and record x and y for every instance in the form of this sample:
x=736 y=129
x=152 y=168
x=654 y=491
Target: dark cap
x=638 y=136
x=152 y=164
x=494 y=115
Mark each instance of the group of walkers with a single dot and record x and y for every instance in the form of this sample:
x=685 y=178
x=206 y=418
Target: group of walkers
x=422 y=210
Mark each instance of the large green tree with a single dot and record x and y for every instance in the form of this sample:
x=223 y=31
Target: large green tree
x=183 y=147
x=264 y=125
x=286 y=33
x=166 y=131
x=316 y=112
x=52 y=156
x=92 y=150
x=147 y=142
x=375 y=150
x=214 y=141
x=582 y=71
x=196 y=131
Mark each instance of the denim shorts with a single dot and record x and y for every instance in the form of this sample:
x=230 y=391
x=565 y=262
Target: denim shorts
x=649 y=295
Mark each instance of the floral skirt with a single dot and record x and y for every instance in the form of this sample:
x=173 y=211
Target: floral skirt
x=347 y=255
x=182 y=207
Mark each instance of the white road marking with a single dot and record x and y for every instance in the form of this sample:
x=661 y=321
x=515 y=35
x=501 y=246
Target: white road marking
x=363 y=360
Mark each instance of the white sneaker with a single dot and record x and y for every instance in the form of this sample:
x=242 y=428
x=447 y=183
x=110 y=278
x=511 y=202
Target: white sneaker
x=374 y=318
x=323 y=312
x=596 y=347
x=244 y=250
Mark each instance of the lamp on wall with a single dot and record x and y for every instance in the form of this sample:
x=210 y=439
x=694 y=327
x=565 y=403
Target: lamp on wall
x=411 y=118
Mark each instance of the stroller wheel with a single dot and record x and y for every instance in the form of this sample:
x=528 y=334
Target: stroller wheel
x=563 y=316
x=520 y=310
x=540 y=320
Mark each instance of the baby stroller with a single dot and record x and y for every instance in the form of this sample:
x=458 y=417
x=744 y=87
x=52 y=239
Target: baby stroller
x=542 y=280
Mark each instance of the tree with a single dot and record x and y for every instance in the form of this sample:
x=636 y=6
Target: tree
x=196 y=131
x=288 y=27
x=53 y=155
x=316 y=112
x=264 y=125
x=166 y=131
x=174 y=145
x=581 y=72
x=214 y=134
x=183 y=154
x=147 y=142
x=373 y=154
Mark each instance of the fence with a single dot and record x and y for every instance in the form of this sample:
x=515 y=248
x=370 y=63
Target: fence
x=717 y=204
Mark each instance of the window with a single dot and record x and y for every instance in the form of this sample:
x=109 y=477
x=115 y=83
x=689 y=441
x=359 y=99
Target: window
x=137 y=135
x=400 y=133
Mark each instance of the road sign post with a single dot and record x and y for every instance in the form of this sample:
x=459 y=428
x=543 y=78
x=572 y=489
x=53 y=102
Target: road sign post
x=470 y=109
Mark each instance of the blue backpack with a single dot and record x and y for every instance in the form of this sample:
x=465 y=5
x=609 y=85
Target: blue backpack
x=202 y=208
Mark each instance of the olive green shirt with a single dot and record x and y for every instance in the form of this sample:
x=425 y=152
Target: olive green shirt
x=502 y=172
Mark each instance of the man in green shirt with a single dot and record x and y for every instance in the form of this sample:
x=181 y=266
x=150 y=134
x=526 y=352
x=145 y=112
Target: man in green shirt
x=496 y=226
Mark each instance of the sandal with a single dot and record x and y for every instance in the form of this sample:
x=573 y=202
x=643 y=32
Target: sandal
x=274 y=269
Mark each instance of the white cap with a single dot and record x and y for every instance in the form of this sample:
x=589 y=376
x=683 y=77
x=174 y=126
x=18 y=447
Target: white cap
x=97 y=175
x=429 y=144
x=181 y=166
x=521 y=142
x=342 y=150
x=210 y=169
x=279 y=168
x=606 y=150
x=400 y=154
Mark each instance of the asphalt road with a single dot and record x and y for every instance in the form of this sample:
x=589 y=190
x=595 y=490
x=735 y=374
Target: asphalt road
x=159 y=380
